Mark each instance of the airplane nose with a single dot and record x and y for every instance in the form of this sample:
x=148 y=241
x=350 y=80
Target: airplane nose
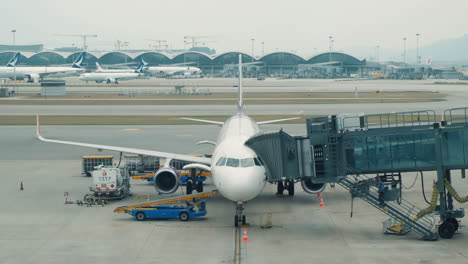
x=239 y=186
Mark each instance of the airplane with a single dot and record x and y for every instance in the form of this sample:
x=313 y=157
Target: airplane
x=100 y=69
x=172 y=70
x=34 y=74
x=238 y=173
x=112 y=77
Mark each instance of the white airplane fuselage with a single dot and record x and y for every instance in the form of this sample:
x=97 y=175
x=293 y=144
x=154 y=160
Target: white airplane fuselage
x=237 y=183
x=155 y=70
x=11 y=72
x=108 y=76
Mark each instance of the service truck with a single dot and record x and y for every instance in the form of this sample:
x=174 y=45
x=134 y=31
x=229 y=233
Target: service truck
x=110 y=182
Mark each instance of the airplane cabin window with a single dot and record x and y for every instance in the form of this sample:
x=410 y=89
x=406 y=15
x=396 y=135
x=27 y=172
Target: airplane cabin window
x=232 y=162
x=247 y=162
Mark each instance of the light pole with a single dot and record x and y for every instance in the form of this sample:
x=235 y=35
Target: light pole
x=404 y=51
x=13 y=31
x=14 y=39
x=417 y=48
x=263 y=48
x=330 y=46
x=253 y=43
x=377 y=53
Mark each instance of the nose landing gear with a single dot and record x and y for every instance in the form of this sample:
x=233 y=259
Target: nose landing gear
x=239 y=218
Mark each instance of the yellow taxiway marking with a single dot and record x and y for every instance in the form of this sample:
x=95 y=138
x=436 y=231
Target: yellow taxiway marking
x=131 y=129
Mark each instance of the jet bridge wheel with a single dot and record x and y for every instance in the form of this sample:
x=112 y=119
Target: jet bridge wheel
x=291 y=188
x=454 y=222
x=446 y=230
x=280 y=188
x=236 y=220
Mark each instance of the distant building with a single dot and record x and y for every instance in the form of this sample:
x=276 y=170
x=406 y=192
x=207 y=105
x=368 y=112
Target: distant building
x=22 y=48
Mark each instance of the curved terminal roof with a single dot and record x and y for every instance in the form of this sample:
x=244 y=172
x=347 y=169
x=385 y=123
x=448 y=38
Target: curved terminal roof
x=192 y=56
x=231 y=58
x=198 y=58
x=335 y=57
x=282 y=58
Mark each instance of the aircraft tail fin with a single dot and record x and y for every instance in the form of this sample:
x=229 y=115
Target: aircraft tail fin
x=14 y=60
x=143 y=61
x=79 y=60
x=139 y=69
x=98 y=66
x=240 y=103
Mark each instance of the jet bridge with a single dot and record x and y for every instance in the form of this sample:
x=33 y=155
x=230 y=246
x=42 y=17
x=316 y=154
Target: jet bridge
x=345 y=149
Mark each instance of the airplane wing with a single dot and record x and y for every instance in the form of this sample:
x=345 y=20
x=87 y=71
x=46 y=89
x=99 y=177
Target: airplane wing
x=203 y=121
x=276 y=120
x=152 y=153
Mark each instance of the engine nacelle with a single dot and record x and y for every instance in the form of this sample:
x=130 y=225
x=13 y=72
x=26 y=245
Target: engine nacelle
x=32 y=78
x=112 y=80
x=313 y=188
x=166 y=180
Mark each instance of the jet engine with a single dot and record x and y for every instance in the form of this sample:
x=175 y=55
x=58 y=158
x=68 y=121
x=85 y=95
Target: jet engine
x=32 y=77
x=112 y=80
x=166 y=180
x=313 y=188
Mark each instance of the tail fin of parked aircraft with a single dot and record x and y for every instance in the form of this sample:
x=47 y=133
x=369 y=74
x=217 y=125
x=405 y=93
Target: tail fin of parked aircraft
x=139 y=69
x=14 y=60
x=98 y=66
x=79 y=60
x=144 y=62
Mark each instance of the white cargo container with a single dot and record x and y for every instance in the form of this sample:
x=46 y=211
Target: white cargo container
x=110 y=182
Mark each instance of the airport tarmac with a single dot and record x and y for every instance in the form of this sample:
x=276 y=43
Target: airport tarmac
x=37 y=227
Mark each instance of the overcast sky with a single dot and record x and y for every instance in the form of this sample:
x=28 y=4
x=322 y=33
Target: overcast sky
x=293 y=25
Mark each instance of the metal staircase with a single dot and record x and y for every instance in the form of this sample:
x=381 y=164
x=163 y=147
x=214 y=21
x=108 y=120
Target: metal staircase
x=400 y=210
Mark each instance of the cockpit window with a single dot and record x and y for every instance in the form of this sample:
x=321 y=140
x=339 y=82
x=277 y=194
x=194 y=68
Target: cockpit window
x=257 y=162
x=232 y=162
x=249 y=162
x=221 y=161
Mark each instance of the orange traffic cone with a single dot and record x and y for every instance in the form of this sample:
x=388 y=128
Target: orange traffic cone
x=21 y=186
x=322 y=204
x=319 y=194
x=245 y=238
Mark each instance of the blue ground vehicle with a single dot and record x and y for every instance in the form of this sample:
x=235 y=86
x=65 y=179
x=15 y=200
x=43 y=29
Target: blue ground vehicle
x=165 y=211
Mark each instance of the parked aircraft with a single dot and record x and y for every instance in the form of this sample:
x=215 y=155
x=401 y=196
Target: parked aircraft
x=237 y=172
x=34 y=74
x=172 y=70
x=112 y=77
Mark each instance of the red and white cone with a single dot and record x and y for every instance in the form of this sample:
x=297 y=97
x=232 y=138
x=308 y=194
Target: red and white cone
x=322 y=204
x=245 y=238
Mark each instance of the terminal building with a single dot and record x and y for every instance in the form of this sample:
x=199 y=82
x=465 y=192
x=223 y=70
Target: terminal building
x=276 y=64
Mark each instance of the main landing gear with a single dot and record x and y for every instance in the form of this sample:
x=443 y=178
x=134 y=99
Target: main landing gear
x=194 y=183
x=285 y=185
x=239 y=218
